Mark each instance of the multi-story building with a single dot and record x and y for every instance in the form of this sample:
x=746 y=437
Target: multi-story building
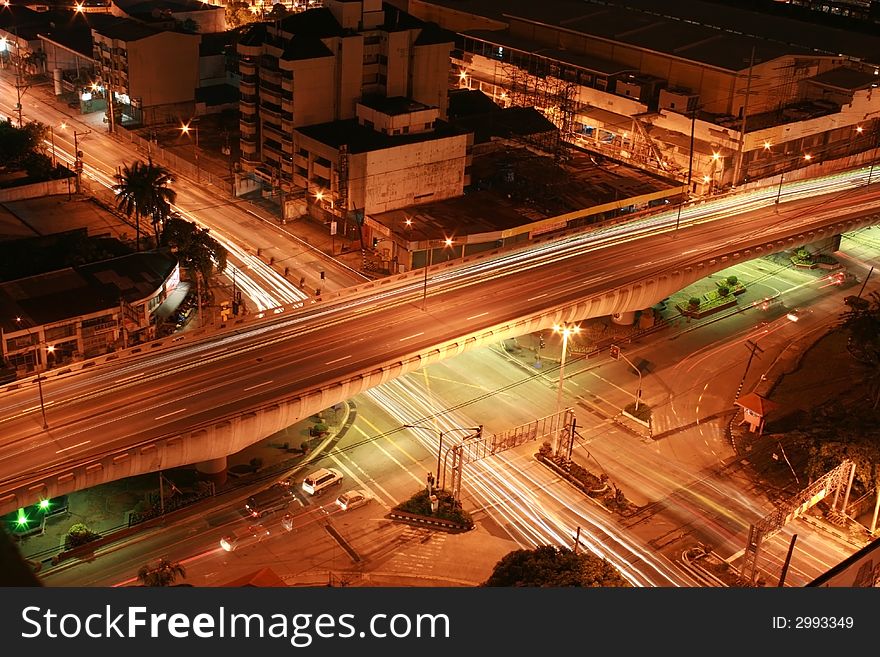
x=151 y=74
x=699 y=92
x=334 y=99
x=79 y=312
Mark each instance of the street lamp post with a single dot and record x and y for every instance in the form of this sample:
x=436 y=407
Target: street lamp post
x=429 y=261
x=49 y=350
x=565 y=329
x=477 y=430
x=186 y=128
x=638 y=371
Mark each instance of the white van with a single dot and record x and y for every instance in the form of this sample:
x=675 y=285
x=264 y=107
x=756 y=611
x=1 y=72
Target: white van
x=318 y=481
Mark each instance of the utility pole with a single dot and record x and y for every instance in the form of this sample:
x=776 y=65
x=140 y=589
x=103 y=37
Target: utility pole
x=20 y=85
x=753 y=347
x=742 y=130
x=787 y=561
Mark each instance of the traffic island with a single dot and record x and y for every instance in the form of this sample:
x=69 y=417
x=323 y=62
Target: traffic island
x=440 y=510
x=599 y=488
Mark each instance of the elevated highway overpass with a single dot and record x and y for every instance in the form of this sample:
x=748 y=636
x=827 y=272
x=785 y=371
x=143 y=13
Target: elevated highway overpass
x=198 y=401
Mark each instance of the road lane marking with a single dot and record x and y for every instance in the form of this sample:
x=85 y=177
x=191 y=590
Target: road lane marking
x=480 y=315
x=540 y=296
x=73 y=446
x=410 y=337
x=170 y=414
x=264 y=383
x=337 y=360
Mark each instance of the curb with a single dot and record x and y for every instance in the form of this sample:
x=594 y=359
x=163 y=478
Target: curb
x=424 y=520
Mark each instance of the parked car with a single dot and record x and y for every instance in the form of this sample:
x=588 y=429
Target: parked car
x=317 y=482
x=353 y=499
x=242 y=537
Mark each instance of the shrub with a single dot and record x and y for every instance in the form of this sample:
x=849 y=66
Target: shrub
x=448 y=508
x=732 y=280
x=79 y=534
x=694 y=302
x=723 y=291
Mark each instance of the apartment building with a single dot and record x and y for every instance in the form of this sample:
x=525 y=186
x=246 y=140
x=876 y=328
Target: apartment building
x=333 y=96
x=152 y=74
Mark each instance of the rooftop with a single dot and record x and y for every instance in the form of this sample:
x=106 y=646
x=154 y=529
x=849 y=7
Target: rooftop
x=394 y=105
x=846 y=78
x=361 y=139
x=74 y=291
x=513 y=186
x=126 y=30
x=716 y=35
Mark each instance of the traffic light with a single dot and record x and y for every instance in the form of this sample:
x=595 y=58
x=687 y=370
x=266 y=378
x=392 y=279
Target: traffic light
x=615 y=352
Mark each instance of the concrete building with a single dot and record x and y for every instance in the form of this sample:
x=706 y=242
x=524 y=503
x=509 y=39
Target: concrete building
x=79 y=312
x=333 y=99
x=701 y=92
x=152 y=74
x=191 y=15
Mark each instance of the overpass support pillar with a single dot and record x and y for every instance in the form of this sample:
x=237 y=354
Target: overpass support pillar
x=624 y=319
x=828 y=245
x=213 y=470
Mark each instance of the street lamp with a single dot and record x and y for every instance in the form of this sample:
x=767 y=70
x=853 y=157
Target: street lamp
x=565 y=329
x=50 y=349
x=617 y=353
x=185 y=129
x=478 y=430
x=429 y=260
x=77 y=155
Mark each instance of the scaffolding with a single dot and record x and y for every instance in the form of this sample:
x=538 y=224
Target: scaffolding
x=533 y=82
x=831 y=482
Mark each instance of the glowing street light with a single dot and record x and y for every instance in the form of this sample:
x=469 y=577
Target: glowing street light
x=565 y=329
x=50 y=350
x=185 y=129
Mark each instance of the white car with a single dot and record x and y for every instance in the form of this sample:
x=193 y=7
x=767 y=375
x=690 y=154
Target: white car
x=242 y=537
x=794 y=315
x=353 y=499
x=319 y=480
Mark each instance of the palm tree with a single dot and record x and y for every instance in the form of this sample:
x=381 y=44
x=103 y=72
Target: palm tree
x=163 y=573
x=142 y=190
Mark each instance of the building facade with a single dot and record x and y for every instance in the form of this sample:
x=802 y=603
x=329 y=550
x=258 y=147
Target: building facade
x=151 y=74
x=687 y=99
x=85 y=311
x=333 y=96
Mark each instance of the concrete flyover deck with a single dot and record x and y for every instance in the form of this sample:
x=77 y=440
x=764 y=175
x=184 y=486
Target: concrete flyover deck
x=203 y=399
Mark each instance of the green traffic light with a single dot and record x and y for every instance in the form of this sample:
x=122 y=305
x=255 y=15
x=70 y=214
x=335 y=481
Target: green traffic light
x=44 y=505
x=22 y=519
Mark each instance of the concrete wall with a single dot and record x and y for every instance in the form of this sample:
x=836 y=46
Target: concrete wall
x=164 y=69
x=410 y=174
x=227 y=435
x=37 y=190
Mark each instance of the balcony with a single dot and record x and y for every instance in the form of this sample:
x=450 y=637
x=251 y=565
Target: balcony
x=247 y=67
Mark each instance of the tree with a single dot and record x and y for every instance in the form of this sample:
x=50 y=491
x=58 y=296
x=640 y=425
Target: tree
x=278 y=12
x=142 y=190
x=548 y=565
x=196 y=250
x=239 y=13
x=162 y=573
x=863 y=325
